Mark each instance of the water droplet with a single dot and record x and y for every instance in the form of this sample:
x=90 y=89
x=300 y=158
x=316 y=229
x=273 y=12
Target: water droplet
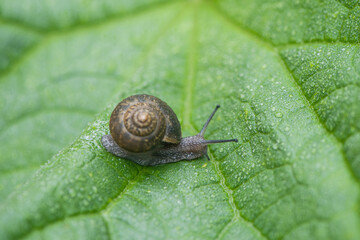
x=278 y=115
x=72 y=192
x=209 y=207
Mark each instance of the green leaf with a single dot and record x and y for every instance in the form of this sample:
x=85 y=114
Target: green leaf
x=287 y=74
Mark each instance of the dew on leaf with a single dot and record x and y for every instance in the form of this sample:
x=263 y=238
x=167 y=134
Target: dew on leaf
x=278 y=115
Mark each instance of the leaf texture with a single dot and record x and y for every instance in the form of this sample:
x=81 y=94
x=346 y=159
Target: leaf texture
x=286 y=73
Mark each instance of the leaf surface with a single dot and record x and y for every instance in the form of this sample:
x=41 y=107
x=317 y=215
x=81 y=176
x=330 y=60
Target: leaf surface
x=286 y=73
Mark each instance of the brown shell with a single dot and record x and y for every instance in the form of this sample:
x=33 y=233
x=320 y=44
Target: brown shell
x=139 y=122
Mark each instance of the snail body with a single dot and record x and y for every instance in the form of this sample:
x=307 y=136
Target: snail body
x=145 y=130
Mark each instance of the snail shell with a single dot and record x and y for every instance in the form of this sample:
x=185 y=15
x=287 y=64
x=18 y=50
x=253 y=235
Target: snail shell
x=140 y=122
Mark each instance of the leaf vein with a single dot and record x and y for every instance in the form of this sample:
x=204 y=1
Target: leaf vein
x=229 y=192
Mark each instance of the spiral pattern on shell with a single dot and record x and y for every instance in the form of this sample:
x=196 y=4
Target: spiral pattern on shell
x=142 y=119
x=140 y=122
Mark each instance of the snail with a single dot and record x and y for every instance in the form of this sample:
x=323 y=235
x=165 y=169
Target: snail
x=145 y=130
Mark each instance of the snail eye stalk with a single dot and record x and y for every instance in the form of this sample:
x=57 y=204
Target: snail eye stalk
x=202 y=132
